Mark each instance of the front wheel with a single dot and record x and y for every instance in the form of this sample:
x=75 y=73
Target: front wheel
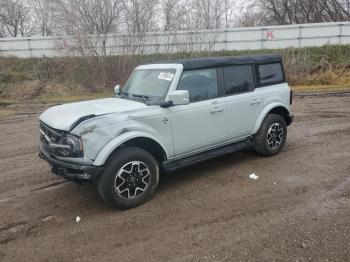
x=130 y=178
x=272 y=135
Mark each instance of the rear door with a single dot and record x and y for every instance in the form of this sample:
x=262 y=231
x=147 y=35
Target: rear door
x=243 y=101
x=202 y=123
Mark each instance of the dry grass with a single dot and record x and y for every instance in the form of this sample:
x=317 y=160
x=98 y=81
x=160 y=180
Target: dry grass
x=5 y=112
x=328 y=81
x=48 y=92
x=74 y=98
x=95 y=73
x=69 y=79
x=14 y=106
x=320 y=89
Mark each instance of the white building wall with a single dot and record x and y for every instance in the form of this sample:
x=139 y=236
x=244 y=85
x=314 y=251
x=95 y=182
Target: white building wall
x=271 y=37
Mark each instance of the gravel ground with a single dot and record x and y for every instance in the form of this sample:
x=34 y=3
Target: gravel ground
x=298 y=209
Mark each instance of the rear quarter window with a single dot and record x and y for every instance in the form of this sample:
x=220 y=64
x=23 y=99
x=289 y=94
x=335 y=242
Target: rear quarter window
x=269 y=74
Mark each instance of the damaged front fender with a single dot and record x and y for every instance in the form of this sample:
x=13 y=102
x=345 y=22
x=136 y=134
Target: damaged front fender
x=103 y=134
x=120 y=140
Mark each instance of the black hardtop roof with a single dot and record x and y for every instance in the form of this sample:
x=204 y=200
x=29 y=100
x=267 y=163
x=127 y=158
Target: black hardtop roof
x=206 y=62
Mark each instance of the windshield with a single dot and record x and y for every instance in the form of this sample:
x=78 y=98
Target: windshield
x=149 y=84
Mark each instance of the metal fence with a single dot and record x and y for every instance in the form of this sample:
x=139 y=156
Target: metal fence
x=270 y=37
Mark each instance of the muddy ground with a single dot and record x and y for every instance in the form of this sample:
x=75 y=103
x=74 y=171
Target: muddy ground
x=298 y=209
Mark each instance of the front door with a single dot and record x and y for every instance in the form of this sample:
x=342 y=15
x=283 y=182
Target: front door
x=202 y=123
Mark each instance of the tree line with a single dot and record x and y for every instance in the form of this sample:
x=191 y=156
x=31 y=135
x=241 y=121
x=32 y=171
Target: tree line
x=284 y=12
x=57 y=17
x=71 y=17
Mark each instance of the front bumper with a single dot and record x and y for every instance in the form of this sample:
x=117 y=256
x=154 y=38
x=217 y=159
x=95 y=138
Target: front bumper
x=71 y=171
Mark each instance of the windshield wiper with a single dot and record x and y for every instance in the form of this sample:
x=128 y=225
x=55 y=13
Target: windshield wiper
x=144 y=98
x=124 y=94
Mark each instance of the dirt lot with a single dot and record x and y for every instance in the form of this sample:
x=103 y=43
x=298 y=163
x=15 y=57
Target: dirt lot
x=298 y=209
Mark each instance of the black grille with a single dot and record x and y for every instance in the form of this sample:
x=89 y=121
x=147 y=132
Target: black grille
x=53 y=134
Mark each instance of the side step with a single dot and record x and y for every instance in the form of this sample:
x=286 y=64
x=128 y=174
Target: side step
x=170 y=166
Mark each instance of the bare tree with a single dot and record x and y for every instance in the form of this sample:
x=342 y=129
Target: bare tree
x=90 y=22
x=137 y=20
x=208 y=14
x=305 y=11
x=16 y=18
x=342 y=9
x=46 y=16
x=252 y=14
x=231 y=13
x=174 y=14
x=198 y=14
x=2 y=30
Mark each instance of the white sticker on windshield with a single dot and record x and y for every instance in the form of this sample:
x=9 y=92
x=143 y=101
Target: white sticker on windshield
x=166 y=76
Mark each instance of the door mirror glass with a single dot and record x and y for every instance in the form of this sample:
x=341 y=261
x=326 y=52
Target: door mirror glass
x=179 y=97
x=117 y=91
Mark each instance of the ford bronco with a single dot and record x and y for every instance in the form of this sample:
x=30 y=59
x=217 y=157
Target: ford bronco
x=167 y=116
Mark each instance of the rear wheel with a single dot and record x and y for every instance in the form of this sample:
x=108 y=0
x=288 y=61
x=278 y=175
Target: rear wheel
x=272 y=135
x=130 y=178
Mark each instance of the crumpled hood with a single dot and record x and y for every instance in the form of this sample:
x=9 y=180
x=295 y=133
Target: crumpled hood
x=62 y=117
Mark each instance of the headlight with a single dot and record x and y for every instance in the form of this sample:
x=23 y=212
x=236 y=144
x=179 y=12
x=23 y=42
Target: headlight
x=68 y=146
x=74 y=146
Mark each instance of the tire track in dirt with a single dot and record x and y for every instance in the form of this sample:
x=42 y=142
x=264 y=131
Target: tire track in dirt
x=298 y=209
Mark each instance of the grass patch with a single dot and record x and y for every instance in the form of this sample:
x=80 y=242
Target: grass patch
x=67 y=98
x=69 y=79
x=6 y=102
x=320 y=89
x=74 y=98
x=5 y=112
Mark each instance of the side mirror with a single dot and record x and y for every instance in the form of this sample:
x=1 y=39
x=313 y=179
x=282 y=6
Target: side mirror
x=179 y=97
x=117 y=91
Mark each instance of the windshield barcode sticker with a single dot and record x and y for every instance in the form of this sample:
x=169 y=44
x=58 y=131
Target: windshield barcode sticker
x=166 y=76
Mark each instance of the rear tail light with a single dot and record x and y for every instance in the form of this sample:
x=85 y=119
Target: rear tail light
x=291 y=97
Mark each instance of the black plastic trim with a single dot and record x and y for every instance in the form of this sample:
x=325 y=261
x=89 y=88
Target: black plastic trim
x=208 y=62
x=290 y=119
x=71 y=171
x=172 y=165
x=80 y=120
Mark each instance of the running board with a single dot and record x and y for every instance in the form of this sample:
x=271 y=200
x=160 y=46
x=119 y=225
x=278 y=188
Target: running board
x=172 y=165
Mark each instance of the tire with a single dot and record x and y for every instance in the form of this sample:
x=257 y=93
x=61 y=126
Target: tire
x=271 y=136
x=129 y=179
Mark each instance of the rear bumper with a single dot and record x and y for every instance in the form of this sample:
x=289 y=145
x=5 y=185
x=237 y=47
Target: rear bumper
x=71 y=171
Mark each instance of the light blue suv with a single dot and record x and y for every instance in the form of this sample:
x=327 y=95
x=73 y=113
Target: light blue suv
x=168 y=115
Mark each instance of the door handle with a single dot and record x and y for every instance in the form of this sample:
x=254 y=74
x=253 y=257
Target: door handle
x=255 y=102
x=216 y=110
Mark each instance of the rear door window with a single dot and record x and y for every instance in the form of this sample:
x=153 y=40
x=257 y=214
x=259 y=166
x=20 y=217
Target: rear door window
x=269 y=74
x=238 y=79
x=201 y=84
